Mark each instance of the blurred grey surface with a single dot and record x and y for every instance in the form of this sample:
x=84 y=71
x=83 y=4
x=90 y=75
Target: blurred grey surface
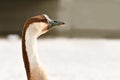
x=84 y=18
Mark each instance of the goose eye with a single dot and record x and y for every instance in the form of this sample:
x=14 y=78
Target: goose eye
x=55 y=21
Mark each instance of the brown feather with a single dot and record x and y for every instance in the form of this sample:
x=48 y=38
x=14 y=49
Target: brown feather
x=39 y=18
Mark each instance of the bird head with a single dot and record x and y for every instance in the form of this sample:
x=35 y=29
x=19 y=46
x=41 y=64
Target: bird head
x=40 y=24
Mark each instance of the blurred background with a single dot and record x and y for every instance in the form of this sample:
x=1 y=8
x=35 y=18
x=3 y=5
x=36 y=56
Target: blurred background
x=84 y=18
x=87 y=47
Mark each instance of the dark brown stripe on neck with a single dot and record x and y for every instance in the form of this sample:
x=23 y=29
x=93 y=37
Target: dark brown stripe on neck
x=38 y=18
x=25 y=58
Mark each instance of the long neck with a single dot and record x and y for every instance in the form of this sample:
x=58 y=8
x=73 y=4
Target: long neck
x=31 y=49
x=33 y=67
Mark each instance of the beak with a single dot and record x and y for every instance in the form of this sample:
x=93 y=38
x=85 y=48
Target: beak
x=53 y=23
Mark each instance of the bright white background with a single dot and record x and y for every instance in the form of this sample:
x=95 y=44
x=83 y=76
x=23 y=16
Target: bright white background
x=64 y=59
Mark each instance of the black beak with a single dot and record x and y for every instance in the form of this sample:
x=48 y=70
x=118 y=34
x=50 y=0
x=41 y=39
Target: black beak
x=53 y=23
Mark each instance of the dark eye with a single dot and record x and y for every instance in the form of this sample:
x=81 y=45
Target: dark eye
x=55 y=21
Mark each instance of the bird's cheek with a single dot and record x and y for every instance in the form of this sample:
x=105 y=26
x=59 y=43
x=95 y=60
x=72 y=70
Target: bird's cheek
x=46 y=28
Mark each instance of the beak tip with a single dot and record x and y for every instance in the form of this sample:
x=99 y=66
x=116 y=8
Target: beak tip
x=63 y=22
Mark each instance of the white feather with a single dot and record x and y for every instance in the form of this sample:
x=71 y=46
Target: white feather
x=47 y=17
x=32 y=33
